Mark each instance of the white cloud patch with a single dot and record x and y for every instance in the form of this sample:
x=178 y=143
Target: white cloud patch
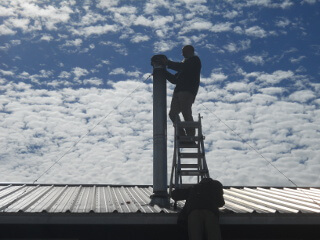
x=164 y=46
x=267 y=78
x=275 y=77
x=140 y=38
x=122 y=71
x=199 y=24
x=256 y=60
x=117 y=71
x=309 y=2
x=284 y=22
x=302 y=96
x=73 y=43
x=46 y=37
x=297 y=60
x=79 y=72
x=4 y=30
x=261 y=3
x=23 y=23
x=95 y=30
x=236 y=47
x=118 y=47
x=48 y=15
x=216 y=76
x=256 y=31
x=6 y=73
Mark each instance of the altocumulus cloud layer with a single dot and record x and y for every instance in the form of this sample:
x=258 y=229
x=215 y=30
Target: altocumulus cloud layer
x=66 y=66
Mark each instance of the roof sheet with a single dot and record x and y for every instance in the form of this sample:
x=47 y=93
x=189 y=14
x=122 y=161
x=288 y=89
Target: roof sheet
x=105 y=199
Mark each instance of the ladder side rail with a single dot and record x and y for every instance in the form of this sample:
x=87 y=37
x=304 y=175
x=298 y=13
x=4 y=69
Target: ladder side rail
x=176 y=140
x=205 y=166
x=173 y=171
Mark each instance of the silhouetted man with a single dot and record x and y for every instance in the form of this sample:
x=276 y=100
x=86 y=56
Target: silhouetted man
x=187 y=81
x=201 y=210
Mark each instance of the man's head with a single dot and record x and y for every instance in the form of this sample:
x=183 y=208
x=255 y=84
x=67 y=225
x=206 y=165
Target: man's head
x=188 y=51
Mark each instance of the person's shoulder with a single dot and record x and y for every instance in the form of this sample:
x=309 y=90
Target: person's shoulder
x=196 y=59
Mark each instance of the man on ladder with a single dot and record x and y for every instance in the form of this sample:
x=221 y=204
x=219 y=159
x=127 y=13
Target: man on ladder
x=187 y=81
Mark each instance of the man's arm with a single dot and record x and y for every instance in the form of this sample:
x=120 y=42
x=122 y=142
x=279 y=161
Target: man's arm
x=220 y=199
x=180 y=194
x=177 y=66
x=171 y=77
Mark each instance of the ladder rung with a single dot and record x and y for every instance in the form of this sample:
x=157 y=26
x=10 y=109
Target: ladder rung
x=187 y=185
x=188 y=124
x=191 y=155
x=189 y=165
x=188 y=138
x=192 y=172
x=188 y=145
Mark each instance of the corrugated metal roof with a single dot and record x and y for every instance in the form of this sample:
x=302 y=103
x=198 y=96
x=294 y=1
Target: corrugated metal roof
x=133 y=199
x=106 y=199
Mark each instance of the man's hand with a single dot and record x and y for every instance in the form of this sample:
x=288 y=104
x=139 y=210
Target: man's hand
x=159 y=60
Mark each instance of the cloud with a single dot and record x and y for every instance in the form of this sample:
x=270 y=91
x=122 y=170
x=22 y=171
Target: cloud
x=23 y=23
x=117 y=71
x=256 y=60
x=216 y=76
x=238 y=87
x=221 y=27
x=199 y=24
x=275 y=77
x=297 y=60
x=106 y=4
x=46 y=37
x=231 y=14
x=64 y=74
x=309 y=2
x=267 y=78
x=164 y=46
x=93 y=81
x=49 y=15
x=256 y=31
x=140 y=38
x=284 y=22
x=6 y=73
x=6 y=11
x=118 y=47
x=261 y=3
x=302 y=96
x=236 y=47
x=79 y=72
x=151 y=7
x=121 y=71
x=95 y=30
x=158 y=22
x=77 y=43
x=4 y=30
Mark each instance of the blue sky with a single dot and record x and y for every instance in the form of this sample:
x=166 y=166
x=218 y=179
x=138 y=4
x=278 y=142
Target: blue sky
x=66 y=65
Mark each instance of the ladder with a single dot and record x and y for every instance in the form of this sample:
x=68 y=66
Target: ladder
x=189 y=156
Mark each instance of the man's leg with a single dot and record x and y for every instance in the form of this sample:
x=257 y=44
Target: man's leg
x=196 y=225
x=186 y=100
x=212 y=228
x=175 y=109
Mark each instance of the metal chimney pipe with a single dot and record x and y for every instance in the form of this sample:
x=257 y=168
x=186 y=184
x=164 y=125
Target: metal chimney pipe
x=160 y=195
